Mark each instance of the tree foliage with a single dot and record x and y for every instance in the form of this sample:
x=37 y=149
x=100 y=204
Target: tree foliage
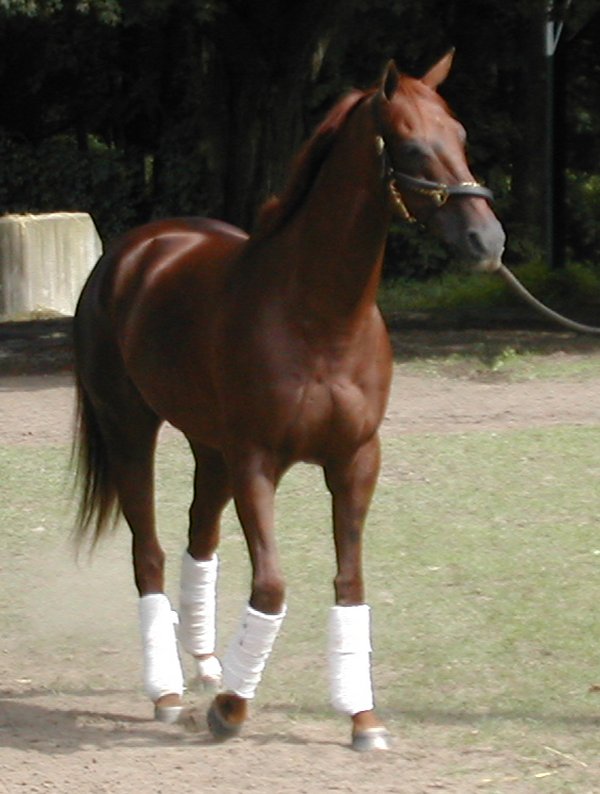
x=132 y=110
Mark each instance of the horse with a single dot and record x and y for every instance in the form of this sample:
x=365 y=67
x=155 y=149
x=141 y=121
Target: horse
x=265 y=350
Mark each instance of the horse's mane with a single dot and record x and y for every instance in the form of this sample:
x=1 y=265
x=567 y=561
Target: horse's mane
x=278 y=209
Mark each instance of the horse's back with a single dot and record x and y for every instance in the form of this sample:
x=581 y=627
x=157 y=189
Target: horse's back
x=151 y=304
x=160 y=253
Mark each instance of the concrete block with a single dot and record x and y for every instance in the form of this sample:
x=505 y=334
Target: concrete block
x=44 y=262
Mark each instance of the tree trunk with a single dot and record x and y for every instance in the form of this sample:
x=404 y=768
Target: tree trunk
x=529 y=113
x=265 y=130
x=263 y=65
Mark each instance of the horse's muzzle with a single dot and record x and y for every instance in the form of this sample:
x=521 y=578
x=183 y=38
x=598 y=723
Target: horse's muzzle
x=485 y=246
x=478 y=241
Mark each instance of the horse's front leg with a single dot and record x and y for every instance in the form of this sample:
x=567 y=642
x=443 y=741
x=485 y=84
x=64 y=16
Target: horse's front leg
x=253 y=481
x=351 y=483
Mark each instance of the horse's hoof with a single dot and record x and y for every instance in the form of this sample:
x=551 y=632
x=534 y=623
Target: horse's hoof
x=371 y=739
x=220 y=729
x=168 y=714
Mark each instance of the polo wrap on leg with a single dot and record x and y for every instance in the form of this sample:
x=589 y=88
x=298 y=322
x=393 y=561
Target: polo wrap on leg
x=162 y=669
x=248 y=653
x=350 y=659
x=197 y=605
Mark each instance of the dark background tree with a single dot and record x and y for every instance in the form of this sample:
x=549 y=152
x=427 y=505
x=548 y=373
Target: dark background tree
x=132 y=110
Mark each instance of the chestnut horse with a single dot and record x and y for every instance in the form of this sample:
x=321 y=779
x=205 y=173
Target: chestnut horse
x=266 y=350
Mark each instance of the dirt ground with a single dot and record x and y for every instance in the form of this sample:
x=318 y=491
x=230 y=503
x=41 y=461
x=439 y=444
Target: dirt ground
x=71 y=735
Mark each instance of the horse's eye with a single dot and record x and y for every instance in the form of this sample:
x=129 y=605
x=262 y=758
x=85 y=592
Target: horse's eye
x=413 y=150
x=414 y=155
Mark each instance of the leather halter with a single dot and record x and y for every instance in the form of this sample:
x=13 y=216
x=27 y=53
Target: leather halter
x=438 y=192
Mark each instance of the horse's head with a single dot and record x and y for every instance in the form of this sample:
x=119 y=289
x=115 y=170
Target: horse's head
x=424 y=148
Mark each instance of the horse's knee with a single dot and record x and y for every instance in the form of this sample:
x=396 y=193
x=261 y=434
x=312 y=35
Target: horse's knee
x=268 y=594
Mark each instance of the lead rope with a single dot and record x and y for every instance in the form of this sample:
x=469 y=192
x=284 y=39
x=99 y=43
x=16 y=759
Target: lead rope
x=516 y=285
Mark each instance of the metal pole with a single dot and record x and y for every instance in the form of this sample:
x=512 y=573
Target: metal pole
x=549 y=49
x=552 y=33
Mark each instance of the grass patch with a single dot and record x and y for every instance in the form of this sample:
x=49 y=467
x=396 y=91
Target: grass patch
x=493 y=557
x=448 y=292
x=458 y=292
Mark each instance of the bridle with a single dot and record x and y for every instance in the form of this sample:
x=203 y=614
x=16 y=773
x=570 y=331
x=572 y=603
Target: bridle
x=438 y=192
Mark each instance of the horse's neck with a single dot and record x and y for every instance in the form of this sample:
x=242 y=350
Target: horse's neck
x=342 y=228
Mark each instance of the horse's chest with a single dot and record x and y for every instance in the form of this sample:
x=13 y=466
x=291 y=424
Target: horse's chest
x=331 y=413
x=302 y=396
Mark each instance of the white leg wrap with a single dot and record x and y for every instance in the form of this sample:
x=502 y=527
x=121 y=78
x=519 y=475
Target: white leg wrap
x=162 y=668
x=349 y=659
x=248 y=653
x=197 y=605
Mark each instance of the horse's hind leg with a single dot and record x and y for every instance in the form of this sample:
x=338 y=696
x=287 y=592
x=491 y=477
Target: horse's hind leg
x=197 y=602
x=126 y=431
x=132 y=462
x=351 y=484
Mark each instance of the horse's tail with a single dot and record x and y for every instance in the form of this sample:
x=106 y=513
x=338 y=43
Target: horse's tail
x=99 y=505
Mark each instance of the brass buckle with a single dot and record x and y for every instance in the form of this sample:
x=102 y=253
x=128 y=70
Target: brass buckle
x=439 y=195
x=399 y=204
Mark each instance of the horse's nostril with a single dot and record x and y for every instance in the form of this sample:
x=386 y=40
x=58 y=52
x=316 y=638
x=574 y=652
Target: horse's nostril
x=476 y=243
x=485 y=242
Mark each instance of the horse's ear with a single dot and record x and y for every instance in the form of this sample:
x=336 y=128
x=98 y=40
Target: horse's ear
x=390 y=80
x=438 y=73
